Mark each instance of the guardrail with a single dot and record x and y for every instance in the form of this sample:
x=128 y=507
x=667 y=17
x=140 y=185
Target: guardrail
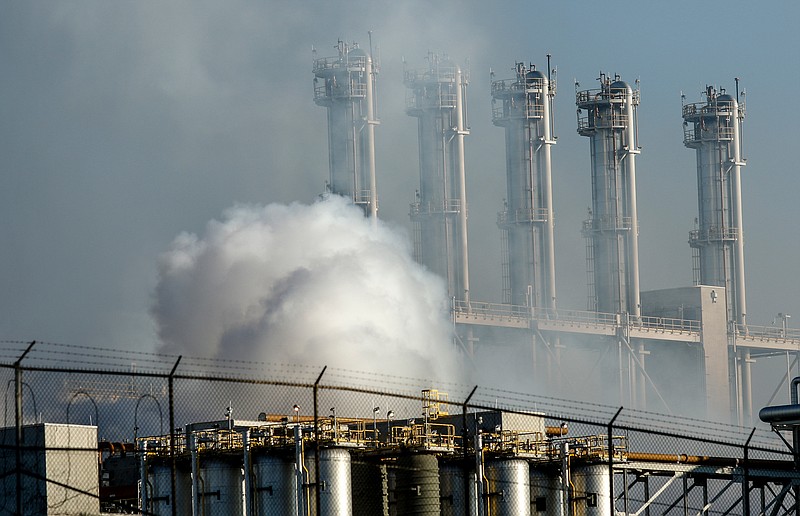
x=581 y=317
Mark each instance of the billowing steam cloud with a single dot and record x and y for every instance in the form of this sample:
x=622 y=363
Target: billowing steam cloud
x=303 y=284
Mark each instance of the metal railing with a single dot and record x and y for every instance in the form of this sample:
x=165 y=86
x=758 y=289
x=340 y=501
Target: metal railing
x=575 y=317
x=523 y=216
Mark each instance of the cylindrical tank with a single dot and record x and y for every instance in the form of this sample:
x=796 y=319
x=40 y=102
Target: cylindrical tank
x=345 y=85
x=523 y=107
x=369 y=487
x=545 y=492
x=592 y=488
x=713 y=129
x=417 y=489
x=437 y=98
x=274 y=485
x=455 y=494
x=159 y=486
x=335 y=482
x=509 y=492
x=221 y=485
x=608 y=116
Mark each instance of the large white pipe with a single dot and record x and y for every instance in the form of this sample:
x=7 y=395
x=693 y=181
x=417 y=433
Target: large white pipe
x=195 y=474
x=461 y=131
x=634 y=301
x=547 y=184
x=248 y=477
x=741 y=308
x=371 y=123
x=143 y=476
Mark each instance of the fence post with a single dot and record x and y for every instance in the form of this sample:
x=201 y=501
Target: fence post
x=170 y=381
x=317 y=489
x=465 y=439
x=745 y=476
x=18 y=422
x=611 y=461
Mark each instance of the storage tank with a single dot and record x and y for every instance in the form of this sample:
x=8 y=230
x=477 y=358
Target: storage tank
x=274 y=485
x=593 y=490
x=335 y=482
x=545 y=492
x=417 y=488
x=456 y=496
x=159 y=487
x=509 y=492
x=370 y=487
x=221 y=484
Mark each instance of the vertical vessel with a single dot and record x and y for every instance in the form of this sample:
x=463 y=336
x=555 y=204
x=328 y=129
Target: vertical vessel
x=608 y=116
x=523 y=107
x=437 y=98
x=713 y=129
x=345 y=85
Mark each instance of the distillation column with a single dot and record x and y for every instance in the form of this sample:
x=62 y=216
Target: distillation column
x=713 y=129
x=608 y=117
x=437 y=98
x=523 y=106
x=345 y=84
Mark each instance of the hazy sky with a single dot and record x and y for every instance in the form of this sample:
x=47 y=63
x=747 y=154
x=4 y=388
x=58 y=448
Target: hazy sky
x=125 y=123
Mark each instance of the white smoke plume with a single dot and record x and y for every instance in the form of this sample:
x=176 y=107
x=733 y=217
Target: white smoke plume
x=299 y=284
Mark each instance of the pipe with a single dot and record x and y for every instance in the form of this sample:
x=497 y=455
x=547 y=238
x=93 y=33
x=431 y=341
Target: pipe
x=479 y=497
x=736 y=202
x=298 y=470
x=371 y=123
x=144 y=502
x=195 y=474
x=633 y=251
x=461 y=131
x=549 y=240
x=556 y=431
x=248 y=477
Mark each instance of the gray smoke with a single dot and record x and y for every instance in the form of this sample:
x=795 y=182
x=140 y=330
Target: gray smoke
x=299 y=284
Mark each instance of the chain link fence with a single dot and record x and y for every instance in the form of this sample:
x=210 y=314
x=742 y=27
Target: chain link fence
x=90 y=431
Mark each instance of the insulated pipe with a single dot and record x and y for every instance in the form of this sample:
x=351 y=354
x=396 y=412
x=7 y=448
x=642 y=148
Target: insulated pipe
x=461 y=131
x=783 y=413
x=143 y=476
x=195 y=473
x=630 y=137
x=479 y=497
x=248 y=477
x=563 y=508
x=549 y=240
x=298 y=470
x=741 y=308
x=371 y=123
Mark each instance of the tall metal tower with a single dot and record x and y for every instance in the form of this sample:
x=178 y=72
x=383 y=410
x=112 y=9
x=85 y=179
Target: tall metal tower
x=713 y=129
x=437 y=98
x=523 y=106
x=608 y=117
x=345 y=84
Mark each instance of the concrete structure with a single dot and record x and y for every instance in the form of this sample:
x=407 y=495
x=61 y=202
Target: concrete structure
x=59 y=470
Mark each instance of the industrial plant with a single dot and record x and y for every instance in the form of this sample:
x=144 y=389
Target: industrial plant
x=439 y=458
x=707 y=320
